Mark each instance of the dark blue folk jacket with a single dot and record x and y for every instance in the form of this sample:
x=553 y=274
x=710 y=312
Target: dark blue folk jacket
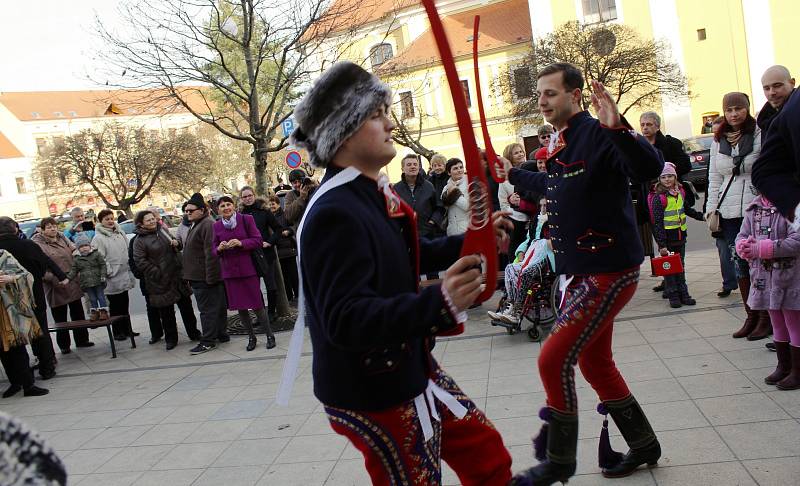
x=590 y=213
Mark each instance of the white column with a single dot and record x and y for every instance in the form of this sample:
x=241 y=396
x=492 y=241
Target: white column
x=676 y=114
x=760 y=49
x=541 y=17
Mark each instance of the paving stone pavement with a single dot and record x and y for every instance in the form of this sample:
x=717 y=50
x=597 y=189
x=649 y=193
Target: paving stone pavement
x=152 y=417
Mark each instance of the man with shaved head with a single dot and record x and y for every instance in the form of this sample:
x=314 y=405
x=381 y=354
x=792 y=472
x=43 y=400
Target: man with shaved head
x=778 y=85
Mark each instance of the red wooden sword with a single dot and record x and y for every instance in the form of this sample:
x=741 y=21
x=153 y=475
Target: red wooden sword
x=498 y=171
x=480 y=237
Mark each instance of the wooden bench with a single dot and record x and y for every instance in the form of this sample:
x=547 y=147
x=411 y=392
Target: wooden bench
x=84 y=324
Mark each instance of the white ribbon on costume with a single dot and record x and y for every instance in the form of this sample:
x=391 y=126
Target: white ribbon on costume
x=563 y=283
x=289 y=373
x=426 y=407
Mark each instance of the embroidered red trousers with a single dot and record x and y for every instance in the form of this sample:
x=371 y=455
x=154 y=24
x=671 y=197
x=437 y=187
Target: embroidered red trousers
x=396 y=453
x=582 y=335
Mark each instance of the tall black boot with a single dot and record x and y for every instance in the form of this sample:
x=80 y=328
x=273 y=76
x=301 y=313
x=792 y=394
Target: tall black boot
x=638 y=434
x=272 y=302
x=560 y=433
x=263 y=319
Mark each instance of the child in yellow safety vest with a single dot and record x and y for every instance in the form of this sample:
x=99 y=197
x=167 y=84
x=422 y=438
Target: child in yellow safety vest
x=669 y=208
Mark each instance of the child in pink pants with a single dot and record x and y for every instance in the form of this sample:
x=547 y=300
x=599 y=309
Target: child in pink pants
x=768 y=242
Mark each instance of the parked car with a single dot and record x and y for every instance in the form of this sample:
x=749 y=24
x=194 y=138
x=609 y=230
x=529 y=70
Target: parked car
x=699 y=150
x=29 y=226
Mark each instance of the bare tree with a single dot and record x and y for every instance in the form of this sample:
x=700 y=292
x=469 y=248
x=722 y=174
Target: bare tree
x=236 y=65
x=636 y=71
x=121 y=164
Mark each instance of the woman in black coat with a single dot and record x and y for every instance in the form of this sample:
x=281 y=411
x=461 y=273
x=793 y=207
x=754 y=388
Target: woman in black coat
x=156 y=255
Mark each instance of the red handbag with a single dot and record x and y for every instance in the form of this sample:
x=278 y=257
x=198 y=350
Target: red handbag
x=667 y=265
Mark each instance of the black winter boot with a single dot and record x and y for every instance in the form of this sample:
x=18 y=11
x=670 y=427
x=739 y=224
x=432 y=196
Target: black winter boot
x=560 y=434
x=638 y=434
x=675 y=300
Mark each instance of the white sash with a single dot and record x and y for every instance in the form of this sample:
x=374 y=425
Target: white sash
x=289 y=373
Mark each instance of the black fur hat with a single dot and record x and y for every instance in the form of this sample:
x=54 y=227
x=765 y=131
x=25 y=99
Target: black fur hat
x=336 y=106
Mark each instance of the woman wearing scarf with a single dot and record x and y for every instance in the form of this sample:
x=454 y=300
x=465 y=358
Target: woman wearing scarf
x=737 y=144
x=236 y=237
x=18 y=325
x=112 y=244
x=155 y=253
x=61 y=297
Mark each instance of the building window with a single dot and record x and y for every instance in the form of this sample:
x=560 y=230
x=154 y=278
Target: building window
x=380 y=54
x=41 y=145
x=522 y=82
x=406 y=105
x=465 y=88
x=21 y=189
x=701 y=34
x=595 y=11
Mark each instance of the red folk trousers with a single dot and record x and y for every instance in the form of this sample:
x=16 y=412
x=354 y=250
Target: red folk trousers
x=582 y=334
x=396 y=453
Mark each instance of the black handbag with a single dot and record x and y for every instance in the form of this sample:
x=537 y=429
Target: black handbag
x=260 y=262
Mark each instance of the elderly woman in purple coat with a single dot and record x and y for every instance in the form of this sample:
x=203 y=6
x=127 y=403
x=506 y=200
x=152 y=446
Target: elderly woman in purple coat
x=235 y=239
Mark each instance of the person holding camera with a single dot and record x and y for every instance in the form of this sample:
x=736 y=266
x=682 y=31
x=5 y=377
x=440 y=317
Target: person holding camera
x=737 y=144
x=297 y=199
x=79 y=225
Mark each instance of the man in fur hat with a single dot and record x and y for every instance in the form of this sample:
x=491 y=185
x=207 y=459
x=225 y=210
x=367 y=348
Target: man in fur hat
x=372 y=328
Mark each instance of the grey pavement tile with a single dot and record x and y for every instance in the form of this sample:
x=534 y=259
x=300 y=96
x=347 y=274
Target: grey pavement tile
x=692 y=446
x=507 y=406
x=670 y=334
x=651 y=323
x=317 y=424
x=465 y=357
x=192 y=413
x=258 y=392
x=474 y=388
x=194 y=383
x=298 y=405
x=657 y=391
x=241 y=410
x=191 y=456
x=781 y=471
x=727 y=473
x=717 y=384
x=716 y=315
x=348 y=473
x=42 y=423
x=640 y=478
x=162 y=434
x=173 y=398
x=312 y=448
x=633 y=354
x=678 y=349
x=231 y=476
x=217 y=395
x=111 y=479
x=717 y=328
x=87 y=461
x=757 y=375
x=270 y=427
x=514 y=385
x=746 y=359
x=727 y=343
x=698 y=365
x=68 y=440
x=524 y=351
x=116 y=437
x=218 y=430
x=626 y=339
x=788 y=400
x=470 y=371
x=674 y=415
x=255 y=452
x=100 y=419
x=518 y=430
x=737 y=409
x=147 y=416
x=174 y=477
x=762 y=440
x=644 y=371
x=141 y=458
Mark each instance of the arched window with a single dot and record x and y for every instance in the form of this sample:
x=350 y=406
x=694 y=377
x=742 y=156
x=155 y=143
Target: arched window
x=380 y=53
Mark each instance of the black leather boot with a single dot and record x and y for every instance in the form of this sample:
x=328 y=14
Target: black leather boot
x=752 y=316
x=560 y=433
x=638 y=434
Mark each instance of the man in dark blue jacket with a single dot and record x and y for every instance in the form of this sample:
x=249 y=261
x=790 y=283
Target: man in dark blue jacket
x=594 y=238
x=372 y=328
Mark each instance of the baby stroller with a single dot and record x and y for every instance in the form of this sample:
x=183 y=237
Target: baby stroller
x=540 y=304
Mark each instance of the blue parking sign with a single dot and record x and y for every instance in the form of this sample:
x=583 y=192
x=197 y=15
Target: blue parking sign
x=288 y=127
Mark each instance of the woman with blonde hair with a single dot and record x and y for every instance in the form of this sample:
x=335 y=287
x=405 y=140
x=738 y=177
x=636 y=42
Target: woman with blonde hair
x=509 y=198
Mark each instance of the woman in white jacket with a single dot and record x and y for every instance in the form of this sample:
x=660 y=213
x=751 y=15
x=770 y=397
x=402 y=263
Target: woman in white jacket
x=454 y=198
x=737 y=144
x=111 y=242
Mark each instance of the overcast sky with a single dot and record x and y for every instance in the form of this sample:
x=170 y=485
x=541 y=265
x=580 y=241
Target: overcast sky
x=47 y=44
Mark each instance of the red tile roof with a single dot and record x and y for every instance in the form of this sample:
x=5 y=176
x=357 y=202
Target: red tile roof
x=7 y=149
x=502 y=24
x=53 y=105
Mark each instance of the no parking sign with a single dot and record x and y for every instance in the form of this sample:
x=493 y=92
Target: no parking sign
x=293 y=159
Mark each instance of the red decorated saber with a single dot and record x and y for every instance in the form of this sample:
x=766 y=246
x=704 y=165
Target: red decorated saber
x=496 y=166
x=480 y=237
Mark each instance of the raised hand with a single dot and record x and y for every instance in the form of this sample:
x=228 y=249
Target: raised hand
x=604 y=105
